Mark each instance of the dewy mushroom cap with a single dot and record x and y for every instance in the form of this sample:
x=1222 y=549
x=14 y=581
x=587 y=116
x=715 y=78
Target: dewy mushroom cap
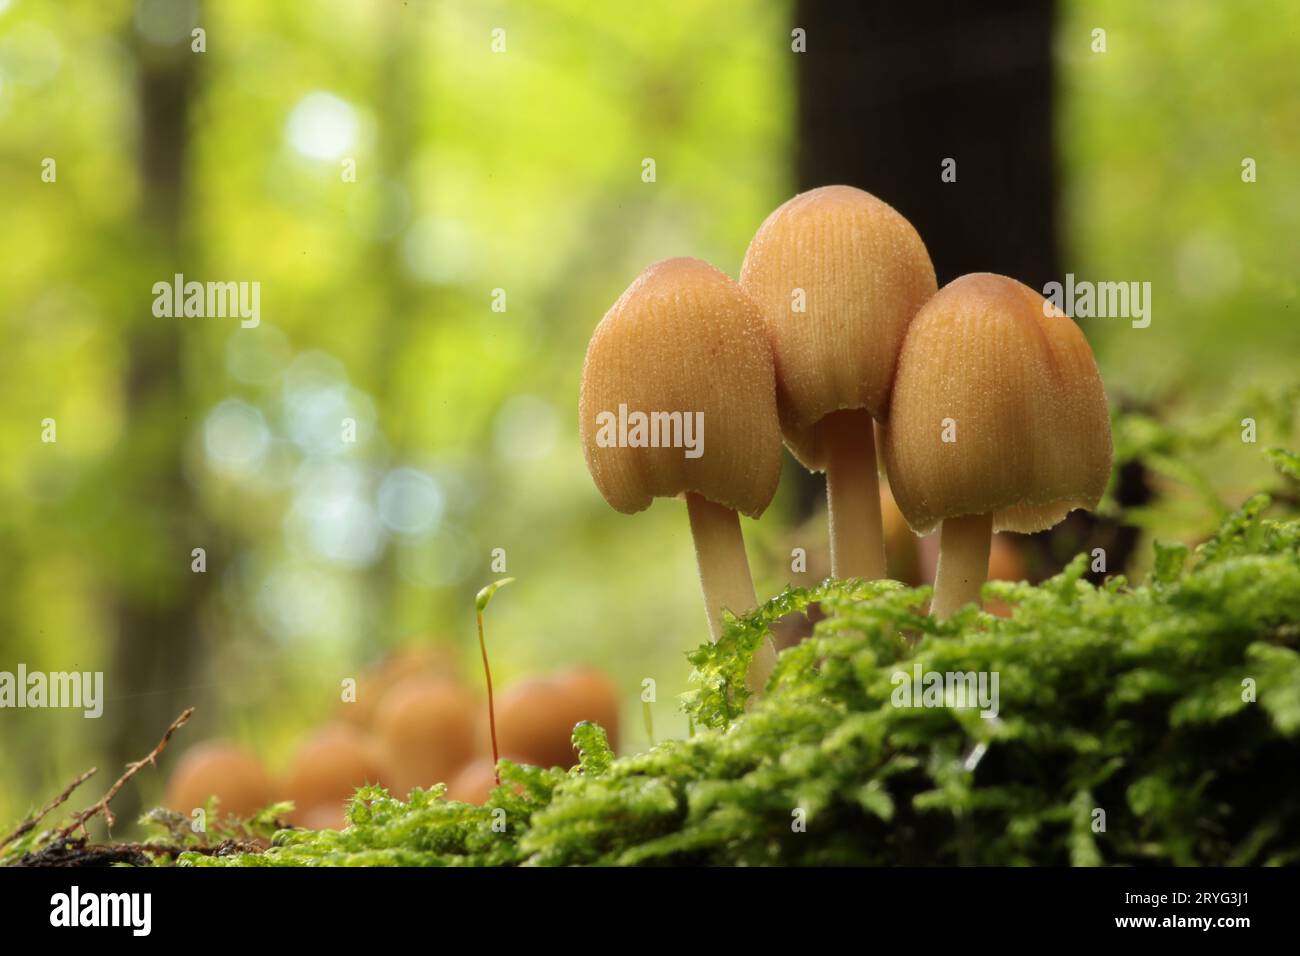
x=1018 y=381
x=862 y=272
x=684 y=338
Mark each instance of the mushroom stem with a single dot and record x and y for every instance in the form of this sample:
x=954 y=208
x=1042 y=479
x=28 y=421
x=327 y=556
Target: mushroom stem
x=725 y=577
x=853 y=495
x=963 y=563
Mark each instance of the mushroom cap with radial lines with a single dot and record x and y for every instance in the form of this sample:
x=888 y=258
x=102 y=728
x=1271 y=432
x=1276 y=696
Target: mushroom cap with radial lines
x=864 y=272
x=684 y=338
x=1018 y=379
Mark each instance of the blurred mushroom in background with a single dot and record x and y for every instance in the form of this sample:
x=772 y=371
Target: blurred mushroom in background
x=222 y=770
x=474 y=782
x=536 y=716
x=376 y=680
x=426 y=727
x=327 y=769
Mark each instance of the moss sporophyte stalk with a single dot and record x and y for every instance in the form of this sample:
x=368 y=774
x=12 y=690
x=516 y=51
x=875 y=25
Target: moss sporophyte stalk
x=481 y=601
x=1150 y=723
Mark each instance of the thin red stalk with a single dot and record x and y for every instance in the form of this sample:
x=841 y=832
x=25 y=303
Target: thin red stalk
x=492 y=713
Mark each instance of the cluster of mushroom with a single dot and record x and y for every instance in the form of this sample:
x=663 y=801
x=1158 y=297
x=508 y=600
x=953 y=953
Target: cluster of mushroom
x=988 y=404
x=414 y=723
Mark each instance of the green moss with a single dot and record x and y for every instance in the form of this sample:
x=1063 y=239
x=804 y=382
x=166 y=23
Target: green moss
x=1173 y=708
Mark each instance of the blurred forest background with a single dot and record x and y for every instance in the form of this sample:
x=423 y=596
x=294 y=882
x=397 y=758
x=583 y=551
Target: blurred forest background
x=520 y=171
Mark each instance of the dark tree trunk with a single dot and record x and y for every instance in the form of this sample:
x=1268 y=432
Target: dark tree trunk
x=888 y=91
x=159 y=598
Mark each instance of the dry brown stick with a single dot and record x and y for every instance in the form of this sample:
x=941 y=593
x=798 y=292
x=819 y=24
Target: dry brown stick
x=102 y=804
x=29 y=824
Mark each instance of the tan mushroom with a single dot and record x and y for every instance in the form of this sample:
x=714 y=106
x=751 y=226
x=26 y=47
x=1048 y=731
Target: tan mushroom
x=474 y=782
x=326 y=816
x=678 y=397
x=532 y=726
x=423 y=657
x=222 y=770
x=426 y=728
x=536 y=715
x=327 y=769
x=839 y=275
x=998 y=421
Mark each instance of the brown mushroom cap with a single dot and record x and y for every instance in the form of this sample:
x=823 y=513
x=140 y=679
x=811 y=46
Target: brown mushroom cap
x=326 y=816
x=532 y=726
x=329 y=766
x=591 y=695
x=1018 y=378
x=231 y=774
x=427 y=727
x=536 y=716
x=375 y=681
x=684 y=338
x=474 y=782
x=864 y=273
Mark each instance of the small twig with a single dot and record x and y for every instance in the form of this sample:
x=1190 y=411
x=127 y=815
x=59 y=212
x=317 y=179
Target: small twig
x=101 y=806
x=30 y=823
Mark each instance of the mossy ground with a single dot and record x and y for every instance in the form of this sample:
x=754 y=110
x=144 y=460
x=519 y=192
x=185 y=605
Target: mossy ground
x=1157 y=723
x=1152 y=723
